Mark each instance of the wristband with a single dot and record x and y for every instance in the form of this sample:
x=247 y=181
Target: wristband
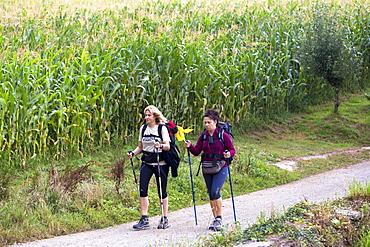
x=161 y=146
x=133 y=154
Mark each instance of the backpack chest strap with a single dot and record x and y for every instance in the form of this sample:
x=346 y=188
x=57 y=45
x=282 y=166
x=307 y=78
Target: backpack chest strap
x=219 y=137
x=151 y=135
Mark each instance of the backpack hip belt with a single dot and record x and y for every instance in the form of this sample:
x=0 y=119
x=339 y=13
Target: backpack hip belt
x=211 y=156
x=149 y=157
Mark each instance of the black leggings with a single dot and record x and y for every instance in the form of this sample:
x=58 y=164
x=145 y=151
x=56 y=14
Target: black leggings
x=146 y=172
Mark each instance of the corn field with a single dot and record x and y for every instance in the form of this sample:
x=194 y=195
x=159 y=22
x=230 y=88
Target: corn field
x=77 y=74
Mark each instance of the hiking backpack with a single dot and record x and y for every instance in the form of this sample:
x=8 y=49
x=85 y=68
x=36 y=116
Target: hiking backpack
x=171 y=157
x=223 y=127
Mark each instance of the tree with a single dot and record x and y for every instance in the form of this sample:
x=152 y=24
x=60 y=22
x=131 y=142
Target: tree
x=327 y=53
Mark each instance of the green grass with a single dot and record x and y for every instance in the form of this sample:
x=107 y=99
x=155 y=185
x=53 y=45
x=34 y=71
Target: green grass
x=317 y=131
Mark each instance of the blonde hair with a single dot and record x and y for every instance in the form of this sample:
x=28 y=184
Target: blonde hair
x=159 y=118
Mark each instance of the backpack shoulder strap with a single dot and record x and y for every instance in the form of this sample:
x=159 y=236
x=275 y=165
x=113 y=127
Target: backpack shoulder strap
x=204 y=136
x=143 y=129
x=160 y=131
x=221 y=136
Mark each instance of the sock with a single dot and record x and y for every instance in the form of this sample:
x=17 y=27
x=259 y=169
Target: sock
x=220 y=217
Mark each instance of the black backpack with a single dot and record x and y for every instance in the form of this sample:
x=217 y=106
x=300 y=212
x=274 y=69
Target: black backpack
x=171 y=157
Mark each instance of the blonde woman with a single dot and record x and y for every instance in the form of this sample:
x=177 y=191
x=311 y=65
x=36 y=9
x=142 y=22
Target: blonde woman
x=151 y=145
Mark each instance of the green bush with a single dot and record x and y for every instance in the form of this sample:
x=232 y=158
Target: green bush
x=327 y=51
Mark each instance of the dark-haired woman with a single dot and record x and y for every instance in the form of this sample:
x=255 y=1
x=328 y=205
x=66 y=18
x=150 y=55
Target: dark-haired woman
x=213 y=148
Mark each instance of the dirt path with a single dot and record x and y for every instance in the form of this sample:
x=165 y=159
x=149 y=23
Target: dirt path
x=184 y=232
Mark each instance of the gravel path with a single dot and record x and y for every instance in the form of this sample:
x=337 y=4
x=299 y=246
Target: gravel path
x=184 y=232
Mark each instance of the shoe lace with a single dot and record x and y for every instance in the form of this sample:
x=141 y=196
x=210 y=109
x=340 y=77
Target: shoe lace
x=163 y=220
x=142 y=221
x=217 y=222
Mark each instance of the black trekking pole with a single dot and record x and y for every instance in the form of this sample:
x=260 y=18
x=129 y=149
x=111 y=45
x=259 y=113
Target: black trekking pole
x=159 y=181
x=231 y=185
x=192 y=188
x=133 y=170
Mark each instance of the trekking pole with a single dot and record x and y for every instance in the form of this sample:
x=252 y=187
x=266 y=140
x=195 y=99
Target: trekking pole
x=231 y=184
x=132 y=165
x=192 y=187
x=159 y=181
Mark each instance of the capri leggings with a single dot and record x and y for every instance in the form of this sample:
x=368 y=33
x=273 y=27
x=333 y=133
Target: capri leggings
x=146 y=172
x=214 y=183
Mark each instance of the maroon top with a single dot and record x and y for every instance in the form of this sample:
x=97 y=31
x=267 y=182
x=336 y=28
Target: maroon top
x=208 y=148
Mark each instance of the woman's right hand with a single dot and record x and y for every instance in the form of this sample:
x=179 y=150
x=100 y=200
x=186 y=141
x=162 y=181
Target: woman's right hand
x=130 y=154
x=187 y=143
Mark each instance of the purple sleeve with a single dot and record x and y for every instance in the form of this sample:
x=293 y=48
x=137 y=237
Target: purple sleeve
x=229 y=144
x=197 y=149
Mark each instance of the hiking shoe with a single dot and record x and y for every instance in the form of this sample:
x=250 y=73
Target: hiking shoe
x=142 y=224
x=163 y=224
x=216 y=224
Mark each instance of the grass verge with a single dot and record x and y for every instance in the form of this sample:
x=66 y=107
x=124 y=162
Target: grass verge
x=341 y=222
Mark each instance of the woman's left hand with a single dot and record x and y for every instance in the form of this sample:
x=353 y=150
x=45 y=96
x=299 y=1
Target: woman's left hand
x=158 y=145
x=227 y=155
x=187 y=143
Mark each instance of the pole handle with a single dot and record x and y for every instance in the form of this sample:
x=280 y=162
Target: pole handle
x=227 y=159
x=130 y=152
